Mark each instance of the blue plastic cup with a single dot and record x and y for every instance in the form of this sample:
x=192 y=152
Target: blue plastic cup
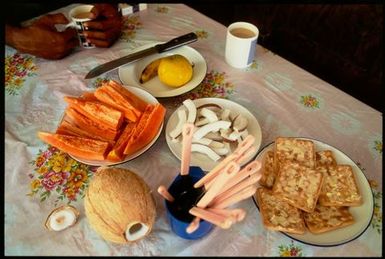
x=186 y=196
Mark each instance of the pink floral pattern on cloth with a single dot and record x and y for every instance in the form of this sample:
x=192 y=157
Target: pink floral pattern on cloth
x=378 y=146
x=55 y=172
x=17 y=69
x=290 y=250
x=201 y=34
x=213 y=85
x=309 y=101
x=376 y=222
x=131 y=24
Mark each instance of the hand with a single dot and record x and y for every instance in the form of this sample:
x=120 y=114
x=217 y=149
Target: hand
x=106 y=27
x=42 y=39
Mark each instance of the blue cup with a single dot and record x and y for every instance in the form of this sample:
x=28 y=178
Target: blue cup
x=186 y=196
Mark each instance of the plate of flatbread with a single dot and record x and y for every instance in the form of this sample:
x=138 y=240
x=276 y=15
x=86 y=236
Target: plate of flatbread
x=312 y=192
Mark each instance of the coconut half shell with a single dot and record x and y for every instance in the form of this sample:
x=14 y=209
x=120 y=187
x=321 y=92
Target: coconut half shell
x=119 y=205
x=61 y=218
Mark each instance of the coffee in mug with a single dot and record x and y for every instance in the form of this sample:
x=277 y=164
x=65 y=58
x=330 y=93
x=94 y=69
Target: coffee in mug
x=242 y=33
x=79 y=15
x=241 y=42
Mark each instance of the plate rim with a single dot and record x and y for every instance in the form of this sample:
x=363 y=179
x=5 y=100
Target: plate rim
x=137 y=154
x=164 y=95
x=258 y=141
x=310 y=243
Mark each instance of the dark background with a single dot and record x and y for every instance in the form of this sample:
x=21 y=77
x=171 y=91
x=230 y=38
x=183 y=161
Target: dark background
x=340 y=43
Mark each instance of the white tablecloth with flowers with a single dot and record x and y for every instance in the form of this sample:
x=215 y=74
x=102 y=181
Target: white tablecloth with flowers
x=286 y=100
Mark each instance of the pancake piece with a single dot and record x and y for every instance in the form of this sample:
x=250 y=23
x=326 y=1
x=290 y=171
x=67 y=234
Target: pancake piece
x=277 y=214
x=299 y=185
x=295 y=150
x=327 y=218
x=268 y=173
x=340 y=187
x=325 y=158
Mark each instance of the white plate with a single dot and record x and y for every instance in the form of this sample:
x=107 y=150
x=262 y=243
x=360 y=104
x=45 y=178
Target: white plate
x=145 y=96
x=130 y=74
x=362 y=214
x=202 y=160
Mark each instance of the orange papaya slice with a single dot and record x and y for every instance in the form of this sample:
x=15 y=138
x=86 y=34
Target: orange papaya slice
x=81 y=147
x=134 y=100
x=116 y=153
x=97 y=112
x=88 y=96
x=93 y=127
x=67 y=127
x=121 y=98
x=148 y=127
x=113 y=100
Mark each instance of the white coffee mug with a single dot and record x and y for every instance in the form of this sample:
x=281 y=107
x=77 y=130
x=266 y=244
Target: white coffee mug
x=241 y=42
x=78 y=16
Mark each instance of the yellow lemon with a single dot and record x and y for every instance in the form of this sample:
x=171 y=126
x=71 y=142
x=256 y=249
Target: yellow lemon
x=175 y=70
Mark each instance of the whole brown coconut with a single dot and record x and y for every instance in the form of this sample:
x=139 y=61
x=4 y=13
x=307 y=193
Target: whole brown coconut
x=119 y=205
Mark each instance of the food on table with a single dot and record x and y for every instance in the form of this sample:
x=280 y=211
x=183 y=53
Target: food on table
x=316 y=185
x=298 y=150
x=119 y=205
x=325 y=158
x=278 y=214
x=146 y=128
x=175 y=70
x=107 y=125
x=78 y=146
x=86 y=123
x=327 y=218
x=61 y=218
x=96 y=111
x=268 y=173
x=340 y=187
x=218 y=130
x=299 y=185
x=150 y=71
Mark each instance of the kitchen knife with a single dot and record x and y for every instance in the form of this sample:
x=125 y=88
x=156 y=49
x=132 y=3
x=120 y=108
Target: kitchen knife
x=158 y=48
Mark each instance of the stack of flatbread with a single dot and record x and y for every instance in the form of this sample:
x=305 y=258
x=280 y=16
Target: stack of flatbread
x=305 y=189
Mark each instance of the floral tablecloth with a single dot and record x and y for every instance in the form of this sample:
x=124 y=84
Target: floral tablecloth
x=286 y=100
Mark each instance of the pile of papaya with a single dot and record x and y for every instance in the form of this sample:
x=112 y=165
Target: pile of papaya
x=108 y=124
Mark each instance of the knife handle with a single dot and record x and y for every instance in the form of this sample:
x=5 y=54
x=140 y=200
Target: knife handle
x=177 y=42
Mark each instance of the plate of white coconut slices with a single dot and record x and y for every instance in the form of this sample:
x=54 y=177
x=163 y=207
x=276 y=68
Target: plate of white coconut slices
x=220 y=125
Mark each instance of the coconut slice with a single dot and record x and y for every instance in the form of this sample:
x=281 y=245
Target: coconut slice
x=203 y=141
x=62 y=218
x=202 y=122
x=211 y=106
x=221 y=151
x=216 y=144
x=225 y=115
x=182 y=117
x=240 y=123
x=211 y=127
x=215 y=136
x=209 y=114
x=205 y=150
x=191 y=110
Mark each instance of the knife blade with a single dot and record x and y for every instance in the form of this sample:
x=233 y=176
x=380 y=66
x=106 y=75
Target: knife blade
x=158 y=48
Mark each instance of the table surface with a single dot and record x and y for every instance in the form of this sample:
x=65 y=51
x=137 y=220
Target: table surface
x=285 y=99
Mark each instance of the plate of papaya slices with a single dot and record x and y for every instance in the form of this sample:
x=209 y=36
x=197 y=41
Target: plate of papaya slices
x=111 y=125
x=220 y=125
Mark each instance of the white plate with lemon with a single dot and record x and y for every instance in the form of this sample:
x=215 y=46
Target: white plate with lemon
x=131 y=74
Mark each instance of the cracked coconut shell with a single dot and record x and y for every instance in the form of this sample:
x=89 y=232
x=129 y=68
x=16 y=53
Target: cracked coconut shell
x=119 y=205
